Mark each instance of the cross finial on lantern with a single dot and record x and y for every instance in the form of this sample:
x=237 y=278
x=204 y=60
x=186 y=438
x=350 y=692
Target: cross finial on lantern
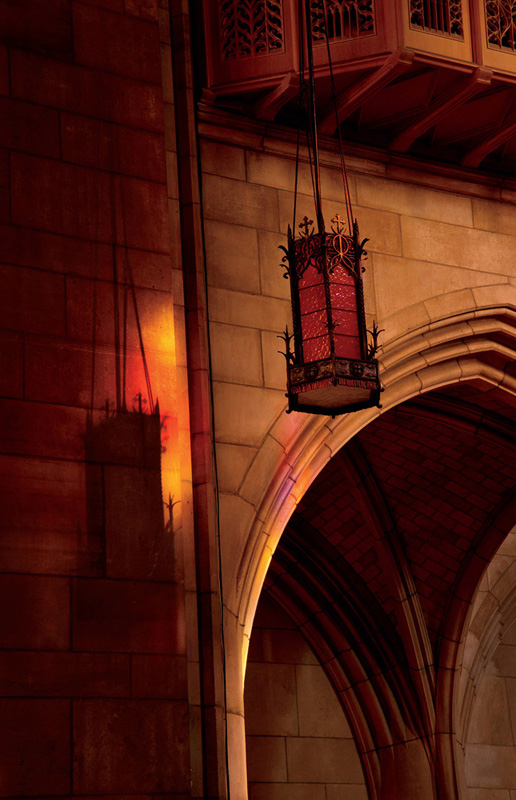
x=304 y=225
x=339 y=222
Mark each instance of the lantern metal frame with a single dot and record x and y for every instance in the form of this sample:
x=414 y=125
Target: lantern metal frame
x=321 y=377
x=327 y=251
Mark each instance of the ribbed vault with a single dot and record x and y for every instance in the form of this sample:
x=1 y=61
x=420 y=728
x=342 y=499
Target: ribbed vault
x=380 y=561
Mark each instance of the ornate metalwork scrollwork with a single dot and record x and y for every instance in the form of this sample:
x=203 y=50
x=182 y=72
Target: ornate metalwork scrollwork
x=347 y=19
x=501 y=24
x=438 y=16
x=250 y=28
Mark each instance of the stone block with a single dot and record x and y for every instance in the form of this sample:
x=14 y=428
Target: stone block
x=91 y=315
x=236 y=354
x=172 y=175
x=127 y=746
x=111 y=5
x=37 y=612
x=274 y=367
x=490 y=721
x=126 y=210
x=142 y=217
x=138 y=545
x=320 y=712
x=341 y=791
x=494 y=217
x=271 y=269
x=281 y=646
x=115 y=148
x=248 y=310
x=232 y=463
x=413 y=200
x=459 y=247
x=159 y=676
x=164 y=24
x=59 y=374
x=382 y=228
x=490 y=766
x=46 y=29
x=270 y=700
x=35 y=746
x=236 y=202
x=280 y=173
x=232 y=408
x=221 y=159
x=262 y=471
x=64 y=674
x=48 y=251
x=167 y=85
x=11 y=364
x=232 y=257
x=127 y=616
x=286 y=791
x=509 y=636
x=266 y=759
x=40 y=429
x=5 y=209
x=145 y=9
x=511 y=695
x=236 y=516
x=450 y=304
x=4 y=71
x=32 y=301
x=403 y=282
x=61 y=208
x=79 y=89
x=60 y=530
x=319 y=760
x=501 y=294
x=116 y=43
x=28 y=127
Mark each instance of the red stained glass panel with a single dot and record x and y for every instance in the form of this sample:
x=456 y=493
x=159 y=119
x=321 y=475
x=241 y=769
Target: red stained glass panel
x=315 y=324
x=313 y=298
x=315 y=349
x=310 y=277
x=347 y=346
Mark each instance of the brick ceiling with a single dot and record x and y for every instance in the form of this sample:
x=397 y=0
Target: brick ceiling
x=441 y=466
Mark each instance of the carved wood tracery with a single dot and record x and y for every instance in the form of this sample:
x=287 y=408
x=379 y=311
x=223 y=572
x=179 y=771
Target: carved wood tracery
x=250 y=28
x=501 y=24
x=346 y=19
x=438 y=16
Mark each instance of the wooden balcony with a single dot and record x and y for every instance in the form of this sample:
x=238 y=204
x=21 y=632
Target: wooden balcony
x=434 y=78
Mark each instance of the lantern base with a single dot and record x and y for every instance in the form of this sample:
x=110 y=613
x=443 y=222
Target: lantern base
x=333 y=386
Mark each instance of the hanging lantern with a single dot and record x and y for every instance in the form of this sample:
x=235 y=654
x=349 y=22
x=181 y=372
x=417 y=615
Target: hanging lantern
x=331 y=368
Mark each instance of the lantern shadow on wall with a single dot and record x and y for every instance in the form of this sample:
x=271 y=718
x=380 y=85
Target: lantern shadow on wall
x=331 y=366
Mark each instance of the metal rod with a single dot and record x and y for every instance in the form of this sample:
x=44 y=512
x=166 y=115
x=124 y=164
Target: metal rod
x=313 y=118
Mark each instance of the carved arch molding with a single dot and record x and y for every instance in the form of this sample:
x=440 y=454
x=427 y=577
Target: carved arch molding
x=380 y=562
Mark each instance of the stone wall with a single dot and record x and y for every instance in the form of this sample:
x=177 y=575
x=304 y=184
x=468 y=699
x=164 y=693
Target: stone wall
x=488 y=683
x=441 y=249
x=93 y=663
x=299 y=745
x=440 y=272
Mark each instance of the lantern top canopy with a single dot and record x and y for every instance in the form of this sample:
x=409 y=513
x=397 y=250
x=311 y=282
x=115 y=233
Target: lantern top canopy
x=331 y=368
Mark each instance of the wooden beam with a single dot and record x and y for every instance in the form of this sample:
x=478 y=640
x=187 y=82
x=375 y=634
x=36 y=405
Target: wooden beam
x=476 y=155
x=273 y=102
x=360 y=91
x=447 y=101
